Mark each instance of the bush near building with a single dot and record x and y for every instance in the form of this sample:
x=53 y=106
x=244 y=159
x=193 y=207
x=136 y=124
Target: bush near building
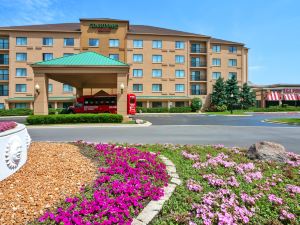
x=16 y=112
x=164 y=110
x=196 y=104
x=74 y=118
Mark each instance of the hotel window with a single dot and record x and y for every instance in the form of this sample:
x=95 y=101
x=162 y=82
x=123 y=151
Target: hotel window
x=3 y=89
x=67 y=88
x=232 y=49
x=68 y=54
x=68 y=41
x=179 y=44
x=216 y=62
x=48 y=41
x=20 y=41
x=137 y=87
x=137 y=73
x=4 y=59
x=156 y=58
x=156 y=87
x=21 y=88
x=216 y=48
x=3 y=74
x=232 y=62
x=179 y=73
x=4 y=43
x=47 y=56
x=21 y=105
x=21 y=72
x=21 y=57
x=195 y=89
x=179 y=104
x=156 y=73
x=179 y=87
x=156 y=104
x=179 y=59
x=50 y=87
x=216 y=75
x=138 y=58
x=232 y=75
x=93 y=42
x=114 y=56
x=197 y=62
x=2 y=106
x=138 y=43
x=156 y=44
x=114 y=43
x=196 y=76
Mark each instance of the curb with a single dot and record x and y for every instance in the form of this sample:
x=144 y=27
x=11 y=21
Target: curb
x=279 y=122
x=283 y=112
x=236 y=115
x=154 y=207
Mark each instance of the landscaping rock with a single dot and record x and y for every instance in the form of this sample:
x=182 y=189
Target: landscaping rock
x=266 y=150
x=138 y=121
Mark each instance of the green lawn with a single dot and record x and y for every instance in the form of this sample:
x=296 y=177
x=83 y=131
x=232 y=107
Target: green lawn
x=235 y=112
x=286 y=120
x=267 y=197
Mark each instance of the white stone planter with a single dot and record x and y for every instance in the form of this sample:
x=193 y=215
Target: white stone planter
x=14 y=144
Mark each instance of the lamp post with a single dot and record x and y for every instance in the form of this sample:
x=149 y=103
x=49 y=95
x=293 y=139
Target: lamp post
x=122 y=87
x=37 y=89
x=231 y=99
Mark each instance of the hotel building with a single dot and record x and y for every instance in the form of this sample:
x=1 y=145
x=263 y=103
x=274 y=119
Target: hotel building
x=166 y=68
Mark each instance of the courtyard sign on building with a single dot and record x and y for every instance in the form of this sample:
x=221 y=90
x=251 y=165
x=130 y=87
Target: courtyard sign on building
x=104 y=27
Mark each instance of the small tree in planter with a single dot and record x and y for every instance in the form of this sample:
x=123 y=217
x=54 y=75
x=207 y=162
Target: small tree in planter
x=196 y=104
x=247 y=97
x=232 y=93
x=218 y=96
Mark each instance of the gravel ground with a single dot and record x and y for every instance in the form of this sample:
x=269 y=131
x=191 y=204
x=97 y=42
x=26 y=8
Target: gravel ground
x=53 y=170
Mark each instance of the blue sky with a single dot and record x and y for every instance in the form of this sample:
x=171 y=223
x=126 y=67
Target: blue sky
x=270 y=28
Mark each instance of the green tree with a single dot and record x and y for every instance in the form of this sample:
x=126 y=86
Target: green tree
x=218 y=96
x=196 y=104
x=247 y=97
x=232 y=93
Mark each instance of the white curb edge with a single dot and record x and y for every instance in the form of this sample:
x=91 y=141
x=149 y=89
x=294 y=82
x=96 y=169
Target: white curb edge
x=154 y=207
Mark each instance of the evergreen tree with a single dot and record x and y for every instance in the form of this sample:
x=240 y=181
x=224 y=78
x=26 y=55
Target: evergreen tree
x=232 y=93
x=218 y=96
x=247 y=97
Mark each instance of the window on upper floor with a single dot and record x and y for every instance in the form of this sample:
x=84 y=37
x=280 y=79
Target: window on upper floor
x=216 y=75
x=67 y=88
x=179 y=87
x=4 y=59
x=20 y=56
x=137 y=87
x=137 y=73
x=179 y=44
x=68 y=54
x=48 y=41
x=232 y=75
x=156 y=87
x=21 y=41
x=114 y=43
x=3 y=89
x=21 y=88
x=4 y=74
x=93 y=42
x=157 y=44
x=50 y=88
x=216 y=48
x=47 y=56
x=179 y=59
x=4 y=43
x=156 y=58
x=179 y=73
x=138 y=58
x=216 y=62
x=156 y=73
x=137 y=43
x=21 y=72
x=114 y=56
x=68 y=41
x=232 y=62
x=232 y=49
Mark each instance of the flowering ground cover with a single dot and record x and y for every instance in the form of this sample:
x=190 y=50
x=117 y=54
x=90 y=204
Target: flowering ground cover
x=222 y=186
x=128 y=179
x=4 y=126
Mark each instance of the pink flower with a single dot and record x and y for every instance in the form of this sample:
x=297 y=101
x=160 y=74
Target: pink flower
x=190 y=156
x=285 y=215
x=274 y=199
x=193 y=186
x=293 y=189
x=4 y=126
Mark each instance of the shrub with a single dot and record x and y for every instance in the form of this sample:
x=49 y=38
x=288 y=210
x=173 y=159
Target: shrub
x=141 y=109
x=196 y=104
x=16 y=112
x=180 y=109
x=277 y=109
x=158 y=110
x=74 y=118
x=221 y=108
x=58 y=111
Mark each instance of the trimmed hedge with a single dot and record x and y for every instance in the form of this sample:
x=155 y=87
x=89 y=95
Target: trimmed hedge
x=164 y=110
x=180 y=109
x=16 y=112
x=58 y=111
x=74 y=118
x=276 y=109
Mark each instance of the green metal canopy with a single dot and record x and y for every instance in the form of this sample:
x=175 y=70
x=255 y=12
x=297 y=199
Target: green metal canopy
x=82 y=59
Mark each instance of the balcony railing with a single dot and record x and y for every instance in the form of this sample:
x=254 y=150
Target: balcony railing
x=198 y=92
x=3 y=92
x=3 y=77
x=198 y=64
x=4 y=46
x=198 y=50
x=201 y=77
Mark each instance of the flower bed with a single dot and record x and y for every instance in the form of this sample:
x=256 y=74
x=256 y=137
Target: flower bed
x=4 y=126
x=128 y=179
x=222 y=186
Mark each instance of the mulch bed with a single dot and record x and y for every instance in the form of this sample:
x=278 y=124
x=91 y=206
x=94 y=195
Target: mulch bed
x=53 y=170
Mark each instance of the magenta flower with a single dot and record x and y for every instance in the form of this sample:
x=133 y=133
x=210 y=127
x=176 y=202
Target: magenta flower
x=4 y=126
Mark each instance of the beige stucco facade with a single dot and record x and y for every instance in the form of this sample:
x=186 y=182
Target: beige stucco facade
x=191 y=85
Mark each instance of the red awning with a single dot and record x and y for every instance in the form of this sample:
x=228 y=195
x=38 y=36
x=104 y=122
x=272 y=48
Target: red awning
x=273 y=96
x=290 y=97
